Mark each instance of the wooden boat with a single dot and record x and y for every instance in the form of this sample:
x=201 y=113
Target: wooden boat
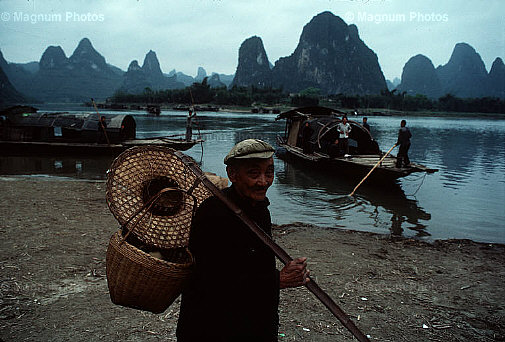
x=153 y=109
x=81 y=148
x=29 y=133
x=197 y=108
x=364 y=151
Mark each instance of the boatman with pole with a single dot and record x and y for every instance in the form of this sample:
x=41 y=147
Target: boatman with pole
x=189 y=127
x=366 y=125
x=404 y=136
x=234 y=291
x=102 y=131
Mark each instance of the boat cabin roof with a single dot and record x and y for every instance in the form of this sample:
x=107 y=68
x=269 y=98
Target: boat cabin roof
x=71 y=121
x=21 y=125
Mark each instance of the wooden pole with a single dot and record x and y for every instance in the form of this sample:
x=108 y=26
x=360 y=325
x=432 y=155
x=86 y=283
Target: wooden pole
x=197 y=125
x=373 y=168
x=278 y=251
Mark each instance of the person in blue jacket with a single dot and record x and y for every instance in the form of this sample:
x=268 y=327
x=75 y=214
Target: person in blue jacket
x=404 y=135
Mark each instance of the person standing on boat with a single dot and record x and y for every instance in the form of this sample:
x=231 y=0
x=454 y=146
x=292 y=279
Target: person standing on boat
x=102 y=128
x=189 y=128
x=344 y=128
x=366 y=125
x=233 y=294
x=404 y=136
x=307 y=132
x=334 y=150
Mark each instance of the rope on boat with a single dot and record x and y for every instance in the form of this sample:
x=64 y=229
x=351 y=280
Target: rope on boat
x=423 y=177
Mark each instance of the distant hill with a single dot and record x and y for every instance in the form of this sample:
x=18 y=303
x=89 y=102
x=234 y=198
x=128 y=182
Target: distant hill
x=214 y=81
x=330 y=56
x=496 y=79
x=137 y=78
x=419 y=77
x=393 y=84
x=19 y=75
x=201 y=73
x=464 y=76
x=8 y=94
x=83 y=75
x=31 y=67
x=253 y=65
x=181 y=77
x=226 y=79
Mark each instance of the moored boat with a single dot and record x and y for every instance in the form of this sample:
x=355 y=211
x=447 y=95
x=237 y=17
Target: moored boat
x=363 y=154
x=153 y=109
x=197 y=108
x=27 y=133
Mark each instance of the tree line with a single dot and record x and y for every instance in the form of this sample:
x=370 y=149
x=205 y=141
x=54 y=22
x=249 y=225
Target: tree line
x=401 y=101
x=202 y=93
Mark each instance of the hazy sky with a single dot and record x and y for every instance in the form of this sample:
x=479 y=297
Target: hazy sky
x=186 y=34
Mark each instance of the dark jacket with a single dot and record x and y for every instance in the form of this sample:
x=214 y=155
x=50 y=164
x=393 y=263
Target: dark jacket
x=404 y=136
x=234 y=292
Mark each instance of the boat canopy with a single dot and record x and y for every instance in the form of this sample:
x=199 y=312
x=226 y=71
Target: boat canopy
x=65 y=126
x=324 y=122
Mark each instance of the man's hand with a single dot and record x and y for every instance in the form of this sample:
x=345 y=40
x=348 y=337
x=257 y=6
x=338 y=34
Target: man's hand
x=294 y=274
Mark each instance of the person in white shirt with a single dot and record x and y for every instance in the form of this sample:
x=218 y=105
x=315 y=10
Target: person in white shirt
x=344 y=128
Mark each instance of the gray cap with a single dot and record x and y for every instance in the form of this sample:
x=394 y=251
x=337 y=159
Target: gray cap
x=250 y=148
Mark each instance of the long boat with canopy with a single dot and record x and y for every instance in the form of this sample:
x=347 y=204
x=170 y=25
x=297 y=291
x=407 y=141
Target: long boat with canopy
x=25 y=131
x=364 y=152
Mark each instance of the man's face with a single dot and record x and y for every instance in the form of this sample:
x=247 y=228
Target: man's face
x=252 y=177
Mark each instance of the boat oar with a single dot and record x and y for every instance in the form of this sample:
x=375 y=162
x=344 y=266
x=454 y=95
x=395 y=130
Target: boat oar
x=373 y=168
x=275 y=248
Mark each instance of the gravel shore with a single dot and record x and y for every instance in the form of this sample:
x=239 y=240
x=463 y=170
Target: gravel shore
x=54 y=235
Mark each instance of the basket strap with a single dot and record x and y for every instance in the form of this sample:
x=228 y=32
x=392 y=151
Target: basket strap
x=193 y=187
x=147 y=206
x=190 y=192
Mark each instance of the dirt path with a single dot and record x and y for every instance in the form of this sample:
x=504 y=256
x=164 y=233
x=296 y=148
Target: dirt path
x=53 y=240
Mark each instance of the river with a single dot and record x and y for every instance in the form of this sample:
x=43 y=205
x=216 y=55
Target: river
x=465 y=199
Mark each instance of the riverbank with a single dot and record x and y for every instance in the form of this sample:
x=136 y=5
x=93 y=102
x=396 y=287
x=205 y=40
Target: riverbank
x=53 y=240
x=249 y=109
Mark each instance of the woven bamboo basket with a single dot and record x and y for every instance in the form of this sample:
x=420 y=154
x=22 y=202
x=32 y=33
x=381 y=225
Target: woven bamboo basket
x=153 y=195
x=140 y=281
x=139 y=173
